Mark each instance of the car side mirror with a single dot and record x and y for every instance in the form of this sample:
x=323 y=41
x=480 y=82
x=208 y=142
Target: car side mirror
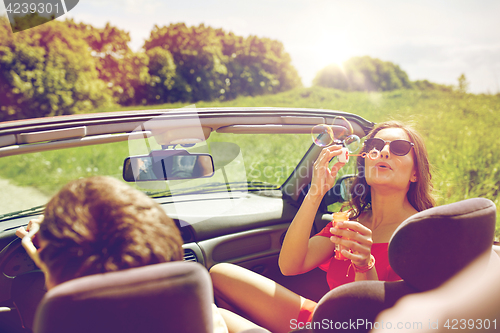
x=341 y=191
x=167 y=165
x=345 y=183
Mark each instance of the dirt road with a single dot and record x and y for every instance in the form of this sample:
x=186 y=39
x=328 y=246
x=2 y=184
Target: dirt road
x=13 y=197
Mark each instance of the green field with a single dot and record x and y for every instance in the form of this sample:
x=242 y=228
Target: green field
x=460 y=131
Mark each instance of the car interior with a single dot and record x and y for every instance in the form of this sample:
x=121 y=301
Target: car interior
x=234 y=213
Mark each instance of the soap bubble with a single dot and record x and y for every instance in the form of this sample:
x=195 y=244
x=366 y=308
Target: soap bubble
x=322 y=135
x=342 y=128
x=353 y=143
x=340 y=132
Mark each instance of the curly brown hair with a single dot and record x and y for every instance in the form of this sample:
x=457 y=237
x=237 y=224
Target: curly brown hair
x=420 y=192
x=100 y=224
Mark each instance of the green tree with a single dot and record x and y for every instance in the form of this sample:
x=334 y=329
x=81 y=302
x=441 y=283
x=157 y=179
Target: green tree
x=331 y=76
x=161 y=77
x=200 y=64
x=47 y=70
x=212 y=64
x=124 y=71
x=28 y=21
x=364 y=74
x=463 y=84
x=257 y=66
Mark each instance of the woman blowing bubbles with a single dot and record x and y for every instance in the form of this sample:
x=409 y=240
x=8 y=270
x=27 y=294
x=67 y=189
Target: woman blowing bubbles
x=388 y=190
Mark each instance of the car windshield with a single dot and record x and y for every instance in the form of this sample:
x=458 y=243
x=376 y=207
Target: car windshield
x=243 y=162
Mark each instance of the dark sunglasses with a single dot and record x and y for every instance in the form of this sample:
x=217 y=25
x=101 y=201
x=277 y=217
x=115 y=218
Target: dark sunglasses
x=397 y=147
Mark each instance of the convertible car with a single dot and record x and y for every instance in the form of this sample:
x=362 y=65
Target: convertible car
x=231 y=178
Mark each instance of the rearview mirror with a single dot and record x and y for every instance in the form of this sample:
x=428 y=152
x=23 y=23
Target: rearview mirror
x=167 y=165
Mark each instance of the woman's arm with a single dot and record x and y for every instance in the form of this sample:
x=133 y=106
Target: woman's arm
x=300 y=254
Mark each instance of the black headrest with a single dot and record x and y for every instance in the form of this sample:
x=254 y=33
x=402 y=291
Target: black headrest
x=172 y=296
x=432 y=245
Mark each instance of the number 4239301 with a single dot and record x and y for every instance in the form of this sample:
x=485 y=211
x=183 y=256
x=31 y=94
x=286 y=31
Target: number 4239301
x=25 y=8
x=476 y=324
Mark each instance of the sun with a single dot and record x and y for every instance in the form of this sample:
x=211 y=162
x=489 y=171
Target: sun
x=332 y=49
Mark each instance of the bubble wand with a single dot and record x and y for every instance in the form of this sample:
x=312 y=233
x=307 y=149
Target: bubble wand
x=323 y=136
x=344 y=156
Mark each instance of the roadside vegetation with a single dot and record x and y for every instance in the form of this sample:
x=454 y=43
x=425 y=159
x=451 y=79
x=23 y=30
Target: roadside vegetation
x=65 y=67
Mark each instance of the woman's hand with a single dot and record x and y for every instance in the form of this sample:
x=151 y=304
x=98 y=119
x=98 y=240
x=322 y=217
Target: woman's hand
x=356 y=240
x=21 y=231
x=323 y=178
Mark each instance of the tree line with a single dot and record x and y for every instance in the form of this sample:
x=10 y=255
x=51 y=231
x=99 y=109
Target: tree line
x=371 y=74
x=64 y=67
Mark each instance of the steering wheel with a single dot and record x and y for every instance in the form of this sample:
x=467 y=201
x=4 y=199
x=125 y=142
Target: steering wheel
x=28 y=284
x=6 y=255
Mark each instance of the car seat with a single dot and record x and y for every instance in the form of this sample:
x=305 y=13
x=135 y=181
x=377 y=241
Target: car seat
x=425 y=250
x=167 y=297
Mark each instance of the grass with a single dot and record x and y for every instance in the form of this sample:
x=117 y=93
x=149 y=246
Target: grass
x=459 y=131
x=49 y=171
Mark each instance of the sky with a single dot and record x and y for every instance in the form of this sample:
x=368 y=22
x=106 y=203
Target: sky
x=437 y=40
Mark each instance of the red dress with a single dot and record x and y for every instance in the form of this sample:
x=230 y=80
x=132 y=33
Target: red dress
x=339 y=272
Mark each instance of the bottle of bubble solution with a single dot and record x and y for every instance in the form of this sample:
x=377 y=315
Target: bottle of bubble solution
x=339 y=217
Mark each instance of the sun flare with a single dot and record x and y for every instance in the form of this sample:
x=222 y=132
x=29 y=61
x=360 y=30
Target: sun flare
x=332 y=49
